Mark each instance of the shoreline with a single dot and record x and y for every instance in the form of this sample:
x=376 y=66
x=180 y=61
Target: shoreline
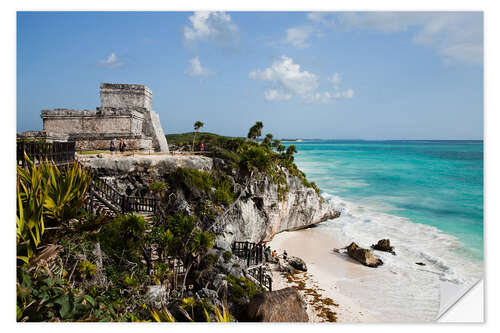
x=389 y=293
x=324 y=270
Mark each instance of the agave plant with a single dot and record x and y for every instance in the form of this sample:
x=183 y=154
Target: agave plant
x=221 y=315
x=30 y=226
x=44 y=195
x=65 y=192
x=162 y=316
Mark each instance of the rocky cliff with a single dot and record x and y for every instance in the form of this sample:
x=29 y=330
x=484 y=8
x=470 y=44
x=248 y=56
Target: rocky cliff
x=256 y=213
x=259 y=214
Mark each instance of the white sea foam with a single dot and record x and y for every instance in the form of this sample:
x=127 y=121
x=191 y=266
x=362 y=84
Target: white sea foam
x=402 y=290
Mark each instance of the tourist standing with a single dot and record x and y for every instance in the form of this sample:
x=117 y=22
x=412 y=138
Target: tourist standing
x=267 y=252
x=123 y=145
x=112 y=146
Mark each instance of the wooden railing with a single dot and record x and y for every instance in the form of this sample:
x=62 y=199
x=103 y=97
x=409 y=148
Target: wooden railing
x=122 y=202
x=39 y=152
x=176 y=265
x=258 y=274
x=252 y=252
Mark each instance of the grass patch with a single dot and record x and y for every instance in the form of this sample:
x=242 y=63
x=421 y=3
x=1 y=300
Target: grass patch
x=92 y=152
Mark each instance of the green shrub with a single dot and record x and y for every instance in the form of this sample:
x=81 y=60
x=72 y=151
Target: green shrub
x=157 y=187
x=123 y=236
x=86 y=268
x=241 y=287
x=130 y=280
x=197 y=181
x=227 y=256
x=223 y=192
x=44 y=297
x=256 y=157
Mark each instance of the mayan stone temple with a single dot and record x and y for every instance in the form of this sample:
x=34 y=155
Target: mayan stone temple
x=125 y=113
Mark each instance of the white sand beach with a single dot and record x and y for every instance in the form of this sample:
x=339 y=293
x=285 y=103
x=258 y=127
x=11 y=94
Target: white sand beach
x=325 y=270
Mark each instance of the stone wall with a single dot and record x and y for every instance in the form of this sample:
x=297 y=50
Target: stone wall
x=125 y=96
x=92 y=122
x=125 y=114
x=152 y=127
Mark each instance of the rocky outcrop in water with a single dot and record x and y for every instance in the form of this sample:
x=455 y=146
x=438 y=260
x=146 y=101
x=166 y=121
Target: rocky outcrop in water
x=285 y=305
x=384 y=245
x=364 y=256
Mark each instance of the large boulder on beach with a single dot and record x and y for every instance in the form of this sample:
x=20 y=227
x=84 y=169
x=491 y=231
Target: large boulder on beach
x=284 y=305
x=364 y=256
x=384 y=245
x=297 y=263
x=285 y=267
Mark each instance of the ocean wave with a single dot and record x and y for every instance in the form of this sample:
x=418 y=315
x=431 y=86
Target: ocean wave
x=400 y=290
x=442 y=253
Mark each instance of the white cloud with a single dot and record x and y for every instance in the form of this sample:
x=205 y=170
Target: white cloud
x=288 y=75
x=216 y=26
x=456 y=36
x=288 y=80
x=336 y=80
x=349 y=93
x=111 y=62
x=276 y=95
x=324 y=97
x=297 y=36
x=321 y=17
x=195 y=68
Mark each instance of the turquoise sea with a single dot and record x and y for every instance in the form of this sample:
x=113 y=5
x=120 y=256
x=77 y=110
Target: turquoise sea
x=425 y=196
x=438 y=183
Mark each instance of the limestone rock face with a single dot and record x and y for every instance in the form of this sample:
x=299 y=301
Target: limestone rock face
x=297 y=263
x=285 y=305
x=260 y=214
x=150 y=166
x=364 y=256
x=384 y=245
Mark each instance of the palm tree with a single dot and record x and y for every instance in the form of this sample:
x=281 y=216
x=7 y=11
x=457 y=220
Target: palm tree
x=292 y=149
x=268 y=139
x=259 y=125
x=255 y=131
x=197 y=125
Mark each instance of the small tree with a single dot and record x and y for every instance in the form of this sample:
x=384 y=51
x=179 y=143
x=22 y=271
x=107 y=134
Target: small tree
x=290 y=151
x=268 y=139
x=255 y=131
x=197 y=125
x=184 y=239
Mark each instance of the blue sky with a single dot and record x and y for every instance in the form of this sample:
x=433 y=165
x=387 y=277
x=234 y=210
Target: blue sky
x=346 y=75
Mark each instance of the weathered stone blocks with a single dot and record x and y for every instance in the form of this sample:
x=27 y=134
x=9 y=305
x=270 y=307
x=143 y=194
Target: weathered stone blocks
x=125 y=113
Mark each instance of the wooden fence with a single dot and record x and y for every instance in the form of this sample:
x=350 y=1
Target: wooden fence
x=40 y=152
